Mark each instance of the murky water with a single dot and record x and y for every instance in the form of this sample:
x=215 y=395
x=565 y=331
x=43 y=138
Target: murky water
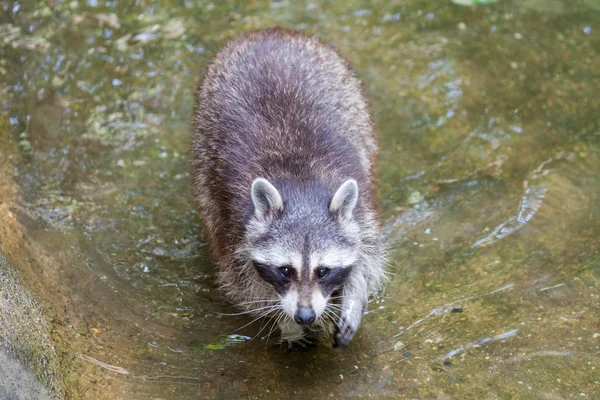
x=489 y=128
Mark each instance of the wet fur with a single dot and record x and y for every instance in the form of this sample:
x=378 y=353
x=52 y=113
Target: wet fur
x=285 y=107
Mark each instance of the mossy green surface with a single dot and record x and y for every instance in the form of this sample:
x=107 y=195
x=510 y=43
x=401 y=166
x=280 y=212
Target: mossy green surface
x=487 y=119
x=24 y=339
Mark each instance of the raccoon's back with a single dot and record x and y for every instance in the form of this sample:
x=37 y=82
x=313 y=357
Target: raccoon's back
x=278 y=105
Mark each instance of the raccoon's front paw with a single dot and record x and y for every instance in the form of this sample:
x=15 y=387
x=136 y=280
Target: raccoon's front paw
x=343 y=334
x=302 y=344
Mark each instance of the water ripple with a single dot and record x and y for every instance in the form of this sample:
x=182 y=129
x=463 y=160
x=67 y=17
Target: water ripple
x=530 y=203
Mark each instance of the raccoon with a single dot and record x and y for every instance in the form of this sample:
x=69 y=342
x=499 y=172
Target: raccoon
x=283 y=154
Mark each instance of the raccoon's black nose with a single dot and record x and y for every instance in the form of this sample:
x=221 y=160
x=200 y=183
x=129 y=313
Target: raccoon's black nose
x=305 y=315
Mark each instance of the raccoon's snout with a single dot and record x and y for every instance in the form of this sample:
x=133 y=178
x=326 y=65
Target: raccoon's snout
x=305 y=315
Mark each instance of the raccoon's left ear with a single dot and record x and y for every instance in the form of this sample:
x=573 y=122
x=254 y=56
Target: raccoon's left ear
x=267 y=200
x=344 y=200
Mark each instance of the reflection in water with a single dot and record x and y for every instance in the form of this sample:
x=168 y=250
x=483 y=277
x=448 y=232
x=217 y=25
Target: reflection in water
x=532 y=200
x=97 y=216
x=530 y=203
x=450 y=307
x=101 y=364
x=479 y=342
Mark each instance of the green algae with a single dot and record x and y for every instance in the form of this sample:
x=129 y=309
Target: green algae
x=474 y=107
x=24 y=333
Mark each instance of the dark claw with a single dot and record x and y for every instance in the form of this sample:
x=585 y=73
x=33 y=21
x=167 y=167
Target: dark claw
x=343 y=335
x=303 y=344
x=307 y=342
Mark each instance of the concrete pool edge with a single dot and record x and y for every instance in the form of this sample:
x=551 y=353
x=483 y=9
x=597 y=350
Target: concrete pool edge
x=22 y=350
x=29 y=338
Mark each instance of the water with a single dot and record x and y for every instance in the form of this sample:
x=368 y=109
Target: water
x=490 y=151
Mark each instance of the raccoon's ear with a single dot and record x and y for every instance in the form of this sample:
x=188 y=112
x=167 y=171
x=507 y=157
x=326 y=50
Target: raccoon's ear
x=267 y=200
x=344 y=200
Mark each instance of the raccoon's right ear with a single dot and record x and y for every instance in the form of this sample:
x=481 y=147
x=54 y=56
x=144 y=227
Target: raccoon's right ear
x=344 y=200
x=267 y=200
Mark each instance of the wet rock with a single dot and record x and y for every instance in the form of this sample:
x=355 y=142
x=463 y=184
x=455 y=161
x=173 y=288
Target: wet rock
x=17 y=383
x=23 y=333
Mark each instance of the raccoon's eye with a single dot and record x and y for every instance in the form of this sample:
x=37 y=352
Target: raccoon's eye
x=322 y=272
x=285 y=271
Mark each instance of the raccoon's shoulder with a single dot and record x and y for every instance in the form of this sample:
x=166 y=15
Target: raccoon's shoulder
x=276 y=65
x=280 y=49
x=276 y=89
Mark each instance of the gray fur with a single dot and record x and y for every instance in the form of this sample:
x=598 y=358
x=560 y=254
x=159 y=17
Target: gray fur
x=283 y=155
x=344 y=200
x=266 y=199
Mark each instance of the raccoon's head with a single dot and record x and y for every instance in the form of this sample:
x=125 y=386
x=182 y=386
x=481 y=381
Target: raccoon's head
x=303 y=240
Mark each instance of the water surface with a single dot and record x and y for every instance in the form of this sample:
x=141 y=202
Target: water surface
x=490 y=150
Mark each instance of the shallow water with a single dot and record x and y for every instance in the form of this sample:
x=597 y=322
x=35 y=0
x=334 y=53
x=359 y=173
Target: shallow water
x=490 y=151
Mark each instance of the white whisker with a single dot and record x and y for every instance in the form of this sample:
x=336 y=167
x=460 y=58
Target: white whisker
x=251 y=311
x=276 y=323
x=258 y=301
x=261 y=284
x=281 y=320
x=333 y=317
x=264 y=314
x=329 y=311
x=334 y=307
x=263 y=328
